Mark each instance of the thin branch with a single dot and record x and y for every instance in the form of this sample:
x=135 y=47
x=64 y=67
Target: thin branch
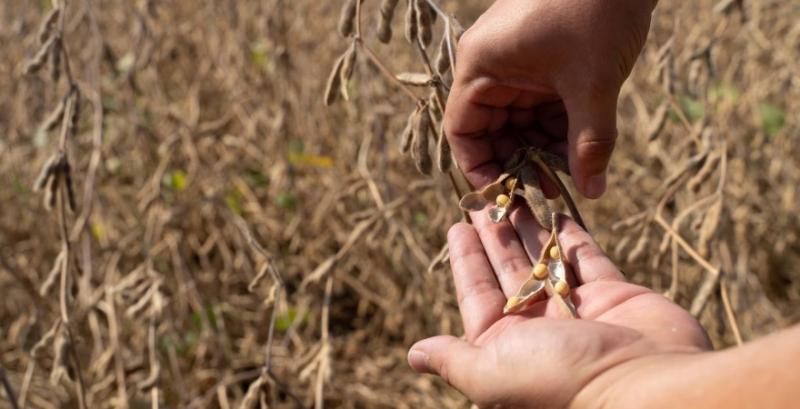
x=9 y=390
x=726 y=302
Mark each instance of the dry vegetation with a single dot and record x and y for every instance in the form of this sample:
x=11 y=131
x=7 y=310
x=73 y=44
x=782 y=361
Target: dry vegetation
x=206 y=172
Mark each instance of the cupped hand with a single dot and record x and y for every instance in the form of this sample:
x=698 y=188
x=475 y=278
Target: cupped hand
x=547 y=72
x=542 y=358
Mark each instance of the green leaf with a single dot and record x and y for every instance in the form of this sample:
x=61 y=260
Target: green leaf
x=723 y=92
x=257 y=178
x=259 y=56
x=420 y=219
x=284 y=321
x=286 y=201
x=175 y=180
x=693 y=108
x=772 y=118
x=287 y=319
x=234 y=201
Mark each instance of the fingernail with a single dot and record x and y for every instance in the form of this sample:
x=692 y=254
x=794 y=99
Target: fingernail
x=595 y=186
x=418 y=361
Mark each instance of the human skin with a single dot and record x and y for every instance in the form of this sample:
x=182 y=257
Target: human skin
x=547 y=72
x=630 y=347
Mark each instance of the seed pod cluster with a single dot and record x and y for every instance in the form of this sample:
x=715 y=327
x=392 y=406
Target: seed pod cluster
x=385 y=20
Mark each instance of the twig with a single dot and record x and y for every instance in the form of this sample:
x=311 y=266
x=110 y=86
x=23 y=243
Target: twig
x=726 y=302
x=9 y=390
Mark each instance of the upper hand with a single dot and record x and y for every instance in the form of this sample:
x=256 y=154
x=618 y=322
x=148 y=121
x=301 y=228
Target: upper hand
x=540 y=358
x=545 y=71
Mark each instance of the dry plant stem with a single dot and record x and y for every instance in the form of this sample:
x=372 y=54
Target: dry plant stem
x=266 y=370
x=113 y=333
x=7 y=387
x=726 y=302
x=324 y=341
x=151 y=346
x=385 y=71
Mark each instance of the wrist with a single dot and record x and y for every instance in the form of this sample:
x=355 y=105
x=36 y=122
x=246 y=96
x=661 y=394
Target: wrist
x=646 y=381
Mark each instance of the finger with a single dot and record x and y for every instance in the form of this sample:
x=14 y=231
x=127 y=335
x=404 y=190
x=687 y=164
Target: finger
x=504 y=250
x=552 y=119
x=531 y=234
x=456 y=361
x=480 y=299
x=475 y=109
x=592 y=131
x=589 y=262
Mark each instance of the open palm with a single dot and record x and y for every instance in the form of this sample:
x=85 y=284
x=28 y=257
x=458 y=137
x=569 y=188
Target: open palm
x=542 y=358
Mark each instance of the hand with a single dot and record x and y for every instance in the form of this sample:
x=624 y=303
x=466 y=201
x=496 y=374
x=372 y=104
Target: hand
x=548 y=72
x=541 y=358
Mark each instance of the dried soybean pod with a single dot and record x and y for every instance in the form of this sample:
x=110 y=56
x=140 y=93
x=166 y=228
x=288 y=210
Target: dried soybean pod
x=443 y=58
x=408 y=132
x=55 y=61
x=444 y=159
x=35 y=63
x=55 y=116
x=348 y=67
x=534 y=197
x=385 y=20
x=347 y=18
x=422 y=156
x=70 y=188
x=47 y=24
x=424 y=22
x=411 y=22
x=46 y=173
x=709 y=227
x=75 y=111
x=334 y=79
x=657 y=122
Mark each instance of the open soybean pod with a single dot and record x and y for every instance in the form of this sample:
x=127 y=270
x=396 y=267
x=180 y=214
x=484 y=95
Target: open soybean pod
x=548 y=274
x=557 y=286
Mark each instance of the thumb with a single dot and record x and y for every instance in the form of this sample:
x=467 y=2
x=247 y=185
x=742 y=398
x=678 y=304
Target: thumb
x=449 y=357
x=591 y=135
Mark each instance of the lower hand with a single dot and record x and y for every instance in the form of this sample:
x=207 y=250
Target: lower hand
x=541 y=358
